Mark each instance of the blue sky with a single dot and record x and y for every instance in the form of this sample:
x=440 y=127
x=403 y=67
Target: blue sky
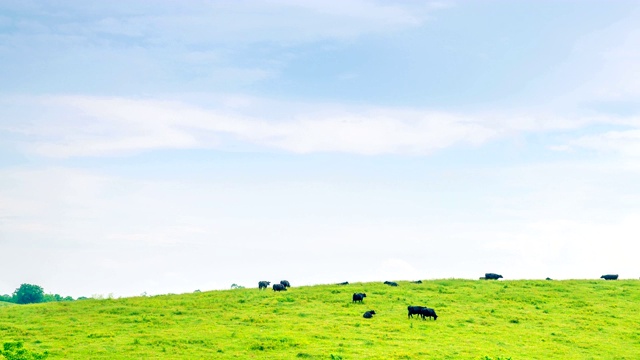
x=171 y=146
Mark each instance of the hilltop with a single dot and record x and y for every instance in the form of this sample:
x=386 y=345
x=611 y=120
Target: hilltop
x=522 y=319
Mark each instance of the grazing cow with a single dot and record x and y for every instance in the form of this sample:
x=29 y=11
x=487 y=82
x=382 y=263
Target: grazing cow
x=391 y=283
x=359 y=297
x=492 y=276
x=369 y=314
x=417 y=282
x=279 y=287
x=413 y=310
x=285 y=283
x=343 y=283
x=263 y=284
x=428 y=312
x=609 y=277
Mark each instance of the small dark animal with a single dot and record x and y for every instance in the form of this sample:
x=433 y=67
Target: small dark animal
x=285 y=283
x=413 y=310
x=549 y=278
x=369 y=314
x=391 y=283
x=609 y=277
x=359 y=297
x=279 y=287
x=492 y=276
x=428 y=312
x=343 y=283
x=263 y=284
x=417 y=282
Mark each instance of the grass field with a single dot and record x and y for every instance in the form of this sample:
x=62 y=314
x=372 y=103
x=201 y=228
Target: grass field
x=522 y=319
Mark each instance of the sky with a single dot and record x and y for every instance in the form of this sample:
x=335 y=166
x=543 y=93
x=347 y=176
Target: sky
x=173 y=146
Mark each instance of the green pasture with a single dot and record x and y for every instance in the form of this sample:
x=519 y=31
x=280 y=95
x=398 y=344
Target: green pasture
x=577 y=319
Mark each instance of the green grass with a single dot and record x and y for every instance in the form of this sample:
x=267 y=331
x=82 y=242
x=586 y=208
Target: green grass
x=477 y=320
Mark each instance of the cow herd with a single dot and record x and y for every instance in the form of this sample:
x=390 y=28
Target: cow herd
x=493 y=276
x=422 y=311
x=282 y=286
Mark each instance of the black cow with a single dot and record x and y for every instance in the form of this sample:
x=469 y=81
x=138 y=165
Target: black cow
x=609 y=277
x=263 y=284
x=413 y=310
x=279 y=287
x=391 y=283
x=428 y=312
x=359 y=297
x=492 y=276
x=369 y=314
x=417 y=282
x=285 y=283
x=343 y=283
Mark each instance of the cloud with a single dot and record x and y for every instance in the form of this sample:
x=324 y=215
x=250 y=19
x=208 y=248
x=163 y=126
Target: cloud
x=570 y=249
x=221 y=22
x=85 y=126
x=603 y=67
x=626 y=142
x=150 y=47
x=525 y=221
x=397 y=269
x=618 y=76
x=71 y=126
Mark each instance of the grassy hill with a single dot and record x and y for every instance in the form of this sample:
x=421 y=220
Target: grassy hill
x=477 y=320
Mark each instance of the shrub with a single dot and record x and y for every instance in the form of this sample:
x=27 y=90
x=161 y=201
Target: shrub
x=16 y=351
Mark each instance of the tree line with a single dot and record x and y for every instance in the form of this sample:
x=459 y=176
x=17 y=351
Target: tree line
x=31 y=294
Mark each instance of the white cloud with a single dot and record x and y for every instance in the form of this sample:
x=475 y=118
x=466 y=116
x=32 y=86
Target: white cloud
x=210 y=22
x=571 y=249
x=602 y=67
x=618 y=77
x=625 y=142
x=131 y=235
x=397 y=269
x=68 y=126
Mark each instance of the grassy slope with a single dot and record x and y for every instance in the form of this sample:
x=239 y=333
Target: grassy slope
x=517 y=319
